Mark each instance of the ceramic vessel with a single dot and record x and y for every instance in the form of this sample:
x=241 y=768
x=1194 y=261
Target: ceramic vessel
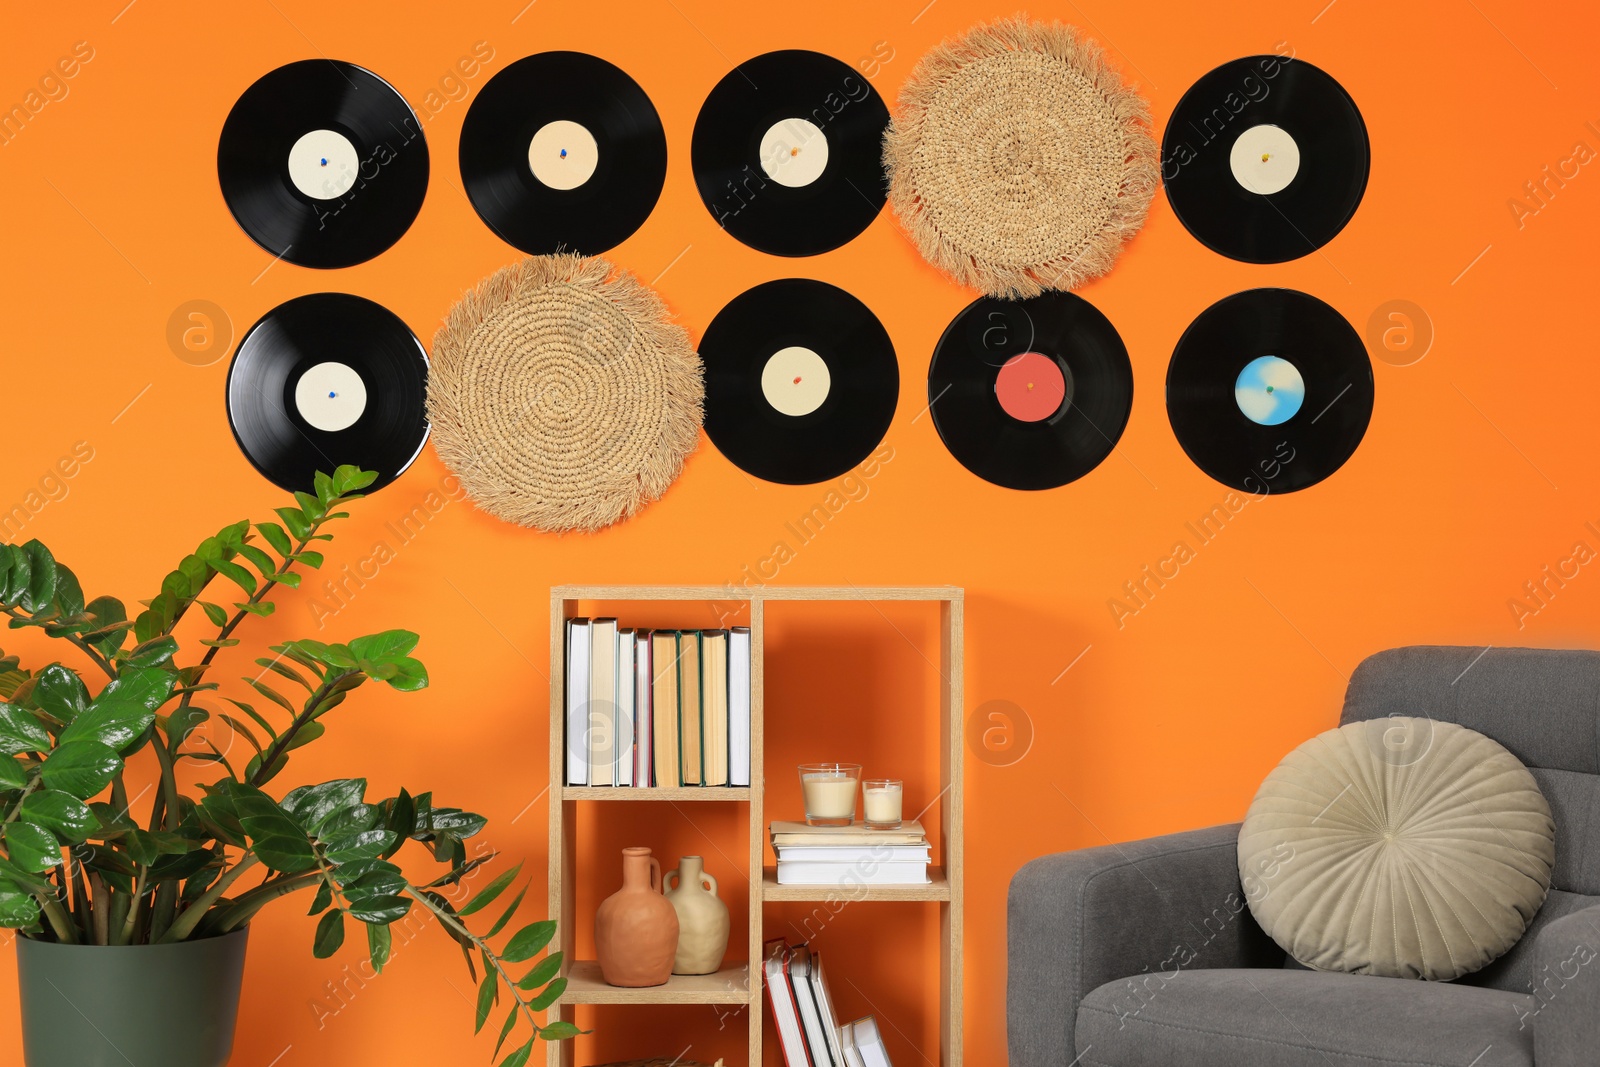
x=702 y=918
x=636 y=930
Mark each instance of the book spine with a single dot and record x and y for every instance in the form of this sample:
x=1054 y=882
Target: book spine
x=739 y=706
x=577 y=739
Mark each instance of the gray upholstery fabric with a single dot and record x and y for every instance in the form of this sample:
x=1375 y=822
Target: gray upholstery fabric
x=1566 y=1012
x=1076 y=920
x=1282 y=1018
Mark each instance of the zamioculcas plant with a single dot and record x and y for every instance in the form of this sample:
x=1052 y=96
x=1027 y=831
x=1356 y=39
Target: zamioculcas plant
x=88 y=857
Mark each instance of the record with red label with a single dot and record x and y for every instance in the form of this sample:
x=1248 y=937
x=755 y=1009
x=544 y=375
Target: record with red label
x=1030 y=394
x=324 y=380
x=801 y=381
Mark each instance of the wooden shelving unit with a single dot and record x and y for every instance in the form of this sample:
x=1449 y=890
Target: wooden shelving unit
x=735 y=984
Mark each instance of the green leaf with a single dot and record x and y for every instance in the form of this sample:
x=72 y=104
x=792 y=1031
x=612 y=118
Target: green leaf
x=309 y=558
x=17 y=574
x=322 y=485
x=371 y=878
x=529 y=941
x=542 y=972
x=386 y=647
x=357 y=818
x=348 y=479
x=264 y=563
x=124 y=709
x=242 y=730
x=288 y=578
x=272 y=694
x=236 y=574
x=227 y=642
x=311 y=805
x=41 y=588
x=310 y=506
x=329 y=936
x=328 y=655
x=410 y=676
x=551 y=994
x=276 y=537
x=278 y=667
x=505 y=917
x=487 y=895
x=519 y=1058
x=366 y=845
x=559 y=1030
x=305 y=735
x=260 y=720
x=505 y=1029
x=32 y=848
x=214 y=612
x=379 y=944
x=260 y=609
x=154 y=652
x=18 y=909
x=379 y=909
x=21 y=731
x=61 y=812
x=488 y=993
x=12 y=773
x=296 y=521
x=275 y=837
x=81 y=768
x=323 y=898
x=60 y=693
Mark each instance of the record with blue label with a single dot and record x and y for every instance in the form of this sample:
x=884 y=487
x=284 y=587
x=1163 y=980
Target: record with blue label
x=1269 y=391
x=323 y=163
x=324 y=380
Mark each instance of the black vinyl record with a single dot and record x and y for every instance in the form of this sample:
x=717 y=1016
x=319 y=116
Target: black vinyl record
x=1269 y=391
x=801 y=381
x=328 y=379
x=1265 y=159
x=322 y=163
x=788 y=153
x=1030 y=394
x=563 y=152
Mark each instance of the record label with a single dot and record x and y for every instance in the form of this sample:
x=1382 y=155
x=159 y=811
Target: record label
x=324 y=380
x=1030 y=394
x=788 y=153
x=323 y=163
x=563 y=152
x=801 y=381
x=1269 y=391
x=1265 y=159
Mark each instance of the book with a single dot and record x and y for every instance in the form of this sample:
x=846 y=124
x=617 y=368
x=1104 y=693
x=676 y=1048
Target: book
x=690 y=714
x=869 y=1044
x=664 y=707
x=602 y=702
x=847 y=1039
x=577 y=701
x=830 y=1019
x=805 y=997
x=855 y=853
x=861 y=872
x=622 y=729
x=714 y=699
x=799 y=833
x=785 y=1011
x=643 y=725
x=739 y=705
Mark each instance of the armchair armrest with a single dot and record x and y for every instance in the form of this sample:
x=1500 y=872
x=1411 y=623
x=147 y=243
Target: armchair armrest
x=1144 y=911
x=1566 y=975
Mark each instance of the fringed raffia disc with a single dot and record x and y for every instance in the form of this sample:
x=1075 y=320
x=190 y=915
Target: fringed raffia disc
x=562 y=394
x=1019 y=161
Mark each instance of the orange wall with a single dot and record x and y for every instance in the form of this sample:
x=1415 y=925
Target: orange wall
x=1478 y=469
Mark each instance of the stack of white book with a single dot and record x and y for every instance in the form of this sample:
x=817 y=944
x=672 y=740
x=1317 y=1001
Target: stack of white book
x=850 y=855
x=802 y=1010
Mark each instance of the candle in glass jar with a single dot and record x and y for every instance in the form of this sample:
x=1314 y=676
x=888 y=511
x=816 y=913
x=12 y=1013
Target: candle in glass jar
x=830 y=792
x=883 y=802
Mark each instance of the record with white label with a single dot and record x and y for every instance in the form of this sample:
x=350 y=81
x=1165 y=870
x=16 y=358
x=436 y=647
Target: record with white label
x=801 y=381
x=1030 y=394
x=323 y=163
x=563 y=152
x=1265 y=159
x=788 y=153
x=1269 y=391
x=324 y=380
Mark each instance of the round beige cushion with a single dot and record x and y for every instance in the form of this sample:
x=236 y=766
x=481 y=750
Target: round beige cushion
x=1400 y=847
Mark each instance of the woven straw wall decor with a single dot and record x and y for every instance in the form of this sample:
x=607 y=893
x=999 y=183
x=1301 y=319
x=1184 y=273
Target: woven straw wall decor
x=1018 y=160
x=562 y=394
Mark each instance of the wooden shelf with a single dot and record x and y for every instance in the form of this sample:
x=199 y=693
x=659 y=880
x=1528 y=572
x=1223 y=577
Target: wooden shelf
x=625 y=792
x=938 y=888
x=731 y=985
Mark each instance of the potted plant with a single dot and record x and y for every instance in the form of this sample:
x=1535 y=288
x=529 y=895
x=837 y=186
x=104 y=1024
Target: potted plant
x=132 y=899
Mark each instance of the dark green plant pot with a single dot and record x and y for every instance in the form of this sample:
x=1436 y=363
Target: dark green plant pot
x=157 y=1005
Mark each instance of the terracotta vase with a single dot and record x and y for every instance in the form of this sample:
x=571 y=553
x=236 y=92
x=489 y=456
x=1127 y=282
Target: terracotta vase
x=636 y=930
x=702 y=918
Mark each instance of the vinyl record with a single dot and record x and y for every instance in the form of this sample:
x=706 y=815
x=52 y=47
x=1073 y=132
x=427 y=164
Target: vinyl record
x=1030 y=394
x=1269 y=391
x=1265 y=159
x=788 y=153
x=563 y=152
x=328 y=379
x=801 y=381
x=322 y=163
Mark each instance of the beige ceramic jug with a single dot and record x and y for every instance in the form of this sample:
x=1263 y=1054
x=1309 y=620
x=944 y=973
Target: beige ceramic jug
x=702 y=918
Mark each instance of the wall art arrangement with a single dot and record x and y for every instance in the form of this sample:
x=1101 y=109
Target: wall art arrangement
x=1018 y=162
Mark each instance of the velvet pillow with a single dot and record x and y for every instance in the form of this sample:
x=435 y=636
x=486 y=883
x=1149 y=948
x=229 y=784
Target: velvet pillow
x=1400 y=847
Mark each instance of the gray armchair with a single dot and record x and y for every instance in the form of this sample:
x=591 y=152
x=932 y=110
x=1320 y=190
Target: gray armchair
x=1145 y=954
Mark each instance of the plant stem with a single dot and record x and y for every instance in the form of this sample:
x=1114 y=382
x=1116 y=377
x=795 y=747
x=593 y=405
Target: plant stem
x=281 y=744
x=169 y=786
x=126 y=932
x=60 y=922
x=420 y=896
x=33 y=783
x=245 y=906
x=185 y=923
